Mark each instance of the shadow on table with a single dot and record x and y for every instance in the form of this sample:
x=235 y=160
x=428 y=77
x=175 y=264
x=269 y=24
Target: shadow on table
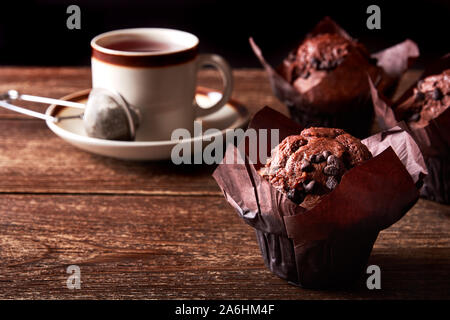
x=417 y=273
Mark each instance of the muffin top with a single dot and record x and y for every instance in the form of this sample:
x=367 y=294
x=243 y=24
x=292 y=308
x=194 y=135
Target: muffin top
x=309 y=165
x=320 y=54
x=431 y=97
x=323 y=52
x=330 y=72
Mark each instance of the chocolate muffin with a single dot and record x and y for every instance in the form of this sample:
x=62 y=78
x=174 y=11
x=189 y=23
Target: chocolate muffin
x=325 y=241
x=318 y=56
x=309 y=165
x=424 y=108
x=431 y=98
x=324 y=81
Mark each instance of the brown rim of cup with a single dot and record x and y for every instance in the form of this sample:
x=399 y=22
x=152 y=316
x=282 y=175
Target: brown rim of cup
x=143 y=59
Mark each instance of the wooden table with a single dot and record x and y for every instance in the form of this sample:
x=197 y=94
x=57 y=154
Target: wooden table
x=160 y=231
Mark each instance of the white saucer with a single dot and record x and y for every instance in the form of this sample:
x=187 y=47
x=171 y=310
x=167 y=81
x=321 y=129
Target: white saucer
x=232 y=116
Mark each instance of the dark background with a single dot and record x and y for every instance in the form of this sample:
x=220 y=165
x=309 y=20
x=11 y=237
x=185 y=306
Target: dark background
x=35 y=33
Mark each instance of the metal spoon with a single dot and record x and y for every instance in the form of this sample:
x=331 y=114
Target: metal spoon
x=36 y=114
x=15 y=95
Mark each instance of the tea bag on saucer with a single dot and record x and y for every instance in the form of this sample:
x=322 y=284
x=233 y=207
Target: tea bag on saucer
x=108 y=116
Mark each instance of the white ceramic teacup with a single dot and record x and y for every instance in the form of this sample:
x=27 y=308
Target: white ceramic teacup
x=155 y=70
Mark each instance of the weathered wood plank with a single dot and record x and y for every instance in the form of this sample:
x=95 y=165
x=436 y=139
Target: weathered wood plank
x=33 y=159
x=155 y=230
x=188 y=247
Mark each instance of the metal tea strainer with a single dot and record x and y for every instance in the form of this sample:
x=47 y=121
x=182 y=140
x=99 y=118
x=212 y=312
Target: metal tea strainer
x=107 y=115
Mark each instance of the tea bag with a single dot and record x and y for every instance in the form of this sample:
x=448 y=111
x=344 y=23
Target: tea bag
x=108 y=116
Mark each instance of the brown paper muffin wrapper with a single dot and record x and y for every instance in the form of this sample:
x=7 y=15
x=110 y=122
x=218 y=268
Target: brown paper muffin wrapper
x=315 y=108
x=328 y=245
x=433 y=139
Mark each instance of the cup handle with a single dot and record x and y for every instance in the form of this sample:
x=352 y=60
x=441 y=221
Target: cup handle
x=223 y=67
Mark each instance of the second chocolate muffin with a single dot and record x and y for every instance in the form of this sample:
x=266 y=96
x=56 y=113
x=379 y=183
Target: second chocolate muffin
x=324 y=80
x=424 y=107
x=431 y=97
x=311 y=164
x=317 y=57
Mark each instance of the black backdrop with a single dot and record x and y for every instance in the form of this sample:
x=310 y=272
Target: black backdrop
x=35 y=33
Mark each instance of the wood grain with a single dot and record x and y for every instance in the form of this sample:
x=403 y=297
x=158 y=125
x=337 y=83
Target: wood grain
x=196 y=247
x=34 y=160
x=158 y=231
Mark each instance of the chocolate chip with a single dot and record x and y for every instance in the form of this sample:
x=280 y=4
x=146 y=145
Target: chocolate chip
x=332 y=160
x=306 y=166
x=326 y=154
x=419 y=83
x=309 y=186
x=331 y=183
x=296 y=145
x=317 y=158
x=326 y=65
x=315 y=63
x=295 y=196
x=414 y=117
x=331 y=170
x=437 y=94
x=306 y=75
x=322 y=66
x=419 y=96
